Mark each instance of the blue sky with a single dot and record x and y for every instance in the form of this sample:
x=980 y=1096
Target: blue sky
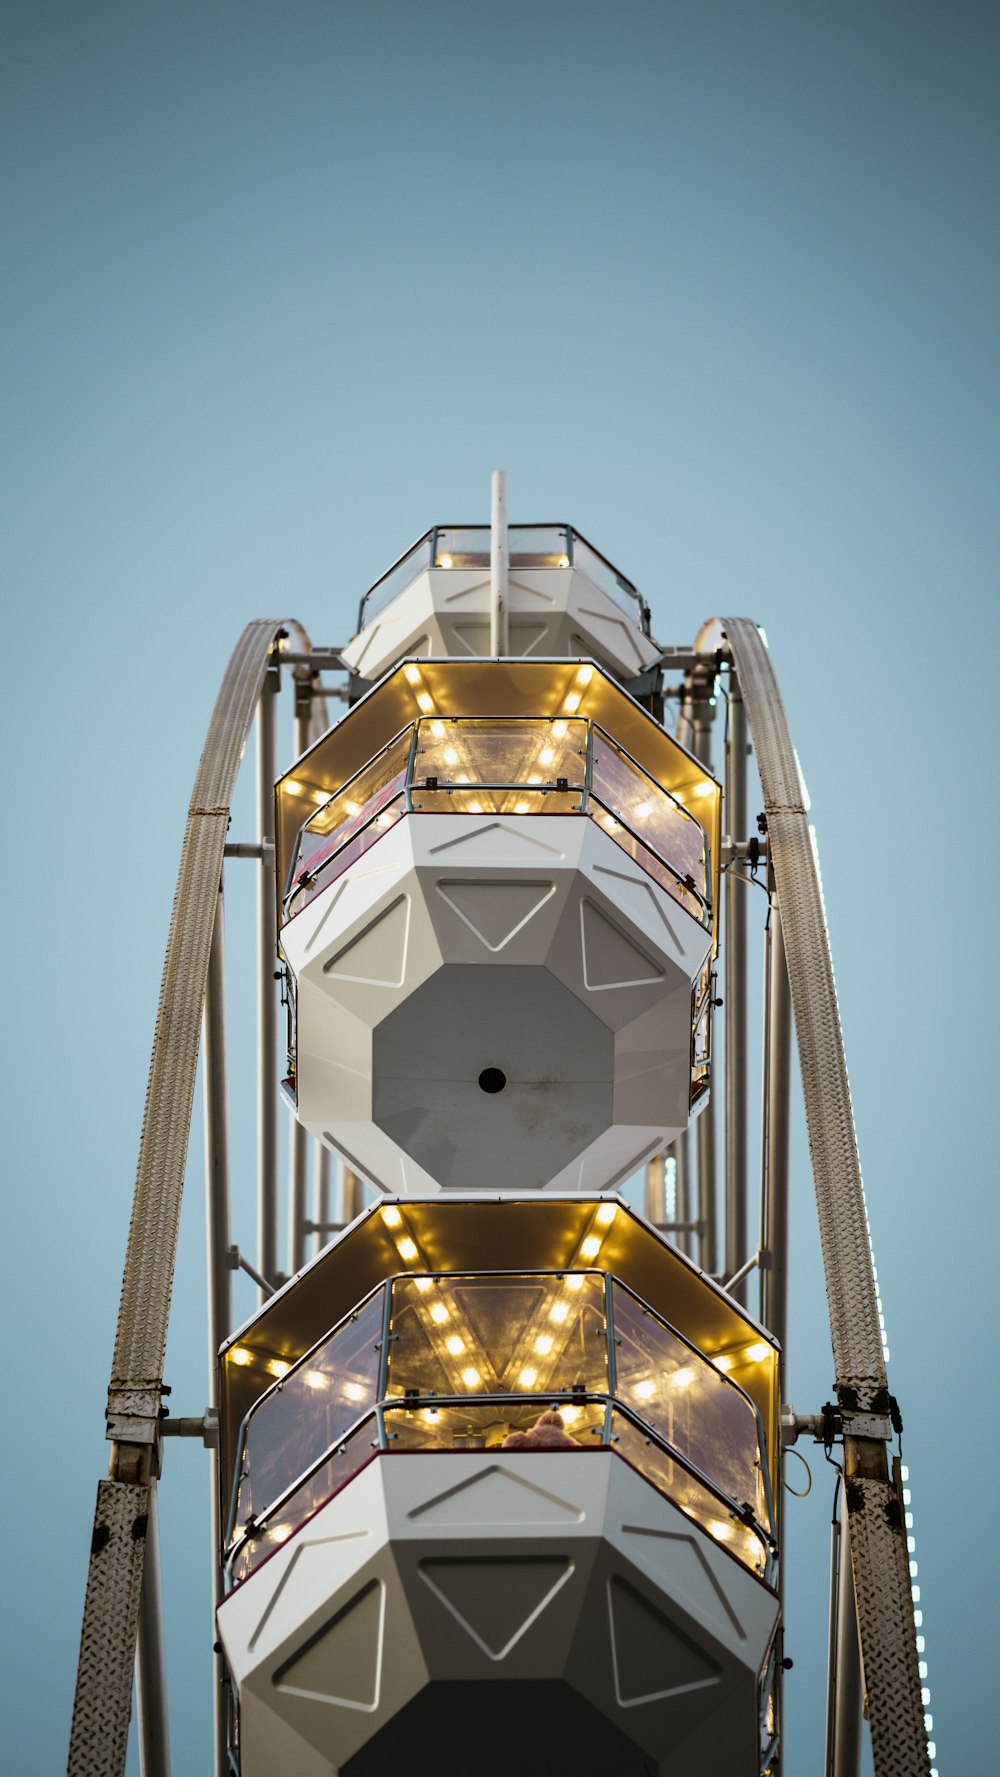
x=718 y=283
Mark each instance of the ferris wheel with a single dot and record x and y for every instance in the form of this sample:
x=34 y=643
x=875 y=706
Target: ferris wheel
x=497 y=1460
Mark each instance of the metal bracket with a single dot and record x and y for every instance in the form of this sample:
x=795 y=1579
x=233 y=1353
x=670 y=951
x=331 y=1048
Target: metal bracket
x=796 y=1425
x=236 y=1262
x=742 y=851
x=727 y=1283
x=206 y=1428
x=264 y=852
x=867 y=1425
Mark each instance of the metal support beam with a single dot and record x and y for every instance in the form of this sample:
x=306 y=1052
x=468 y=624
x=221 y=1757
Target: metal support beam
x=150 y=1665
x=298 y=1138
x=102 y=1703
x=322 y=1193
x=350 y=1196
x=845 y=1690
x=775 y=1109
x=656 y=1202
x=680 y=1152
x=220 y=1313
x=267 y=1026
x=735 y=952
x=694 y=730
x=498 y=565
x=298 y=1195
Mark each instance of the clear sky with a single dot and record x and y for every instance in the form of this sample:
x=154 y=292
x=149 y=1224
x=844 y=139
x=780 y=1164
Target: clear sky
x=717 y=283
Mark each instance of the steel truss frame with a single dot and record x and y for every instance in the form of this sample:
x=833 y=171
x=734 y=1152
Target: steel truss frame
x=870 y=1594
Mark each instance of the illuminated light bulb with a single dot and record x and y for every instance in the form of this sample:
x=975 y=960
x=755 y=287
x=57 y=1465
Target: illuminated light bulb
x=543 y=1345
x=559 y=730
x=570 y=1414
x=682 y=1378
x=546 y=755
x=528 y=1377
x=585 y=675
x=533 y=782
x=723 y=1363
x=353 y=1391
x=353 y=807
x=445 y=561
x=722 y=1532
x=240 y=1356
x=426 y=701
x=703 y=789
x=314 y=1379
x=424 y=1284
x=462 y=778
x=522 y=807
x=280 y=1533
x=320 y=796
x=644 y=1390
x=439 y=1313
x=757 y=1353
x=292 y=787
x=574 y=1282
x=559 y=1311
x=278 y=1367
x=450 y=755
x=562 y=561
x=590 y=1247
x=412 y=675
x=430 y=1414
x=642 y=809
x=572 y=703
x=606 y=1214
x=455 y=1345
x=391 y=1216
x=406 y=1249
x=471 y=1377
x=475 y=808
x=437 y=729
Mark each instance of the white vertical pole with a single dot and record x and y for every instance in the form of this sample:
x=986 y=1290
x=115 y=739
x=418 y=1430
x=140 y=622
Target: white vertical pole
x=298 y=1139
x=267 y=1022
x=498 y=565
x=220 y=1320
x=150 y=1666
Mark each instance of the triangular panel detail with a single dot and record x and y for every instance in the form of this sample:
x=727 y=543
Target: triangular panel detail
x=610 y=958
x=342 y=1661
x=681 y=1566
x=496 y=1497
x=496 y=1598
x=652 y=1658
x=496 y=843
x=317 y=1563
x=377 y=956
x=495 y=911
